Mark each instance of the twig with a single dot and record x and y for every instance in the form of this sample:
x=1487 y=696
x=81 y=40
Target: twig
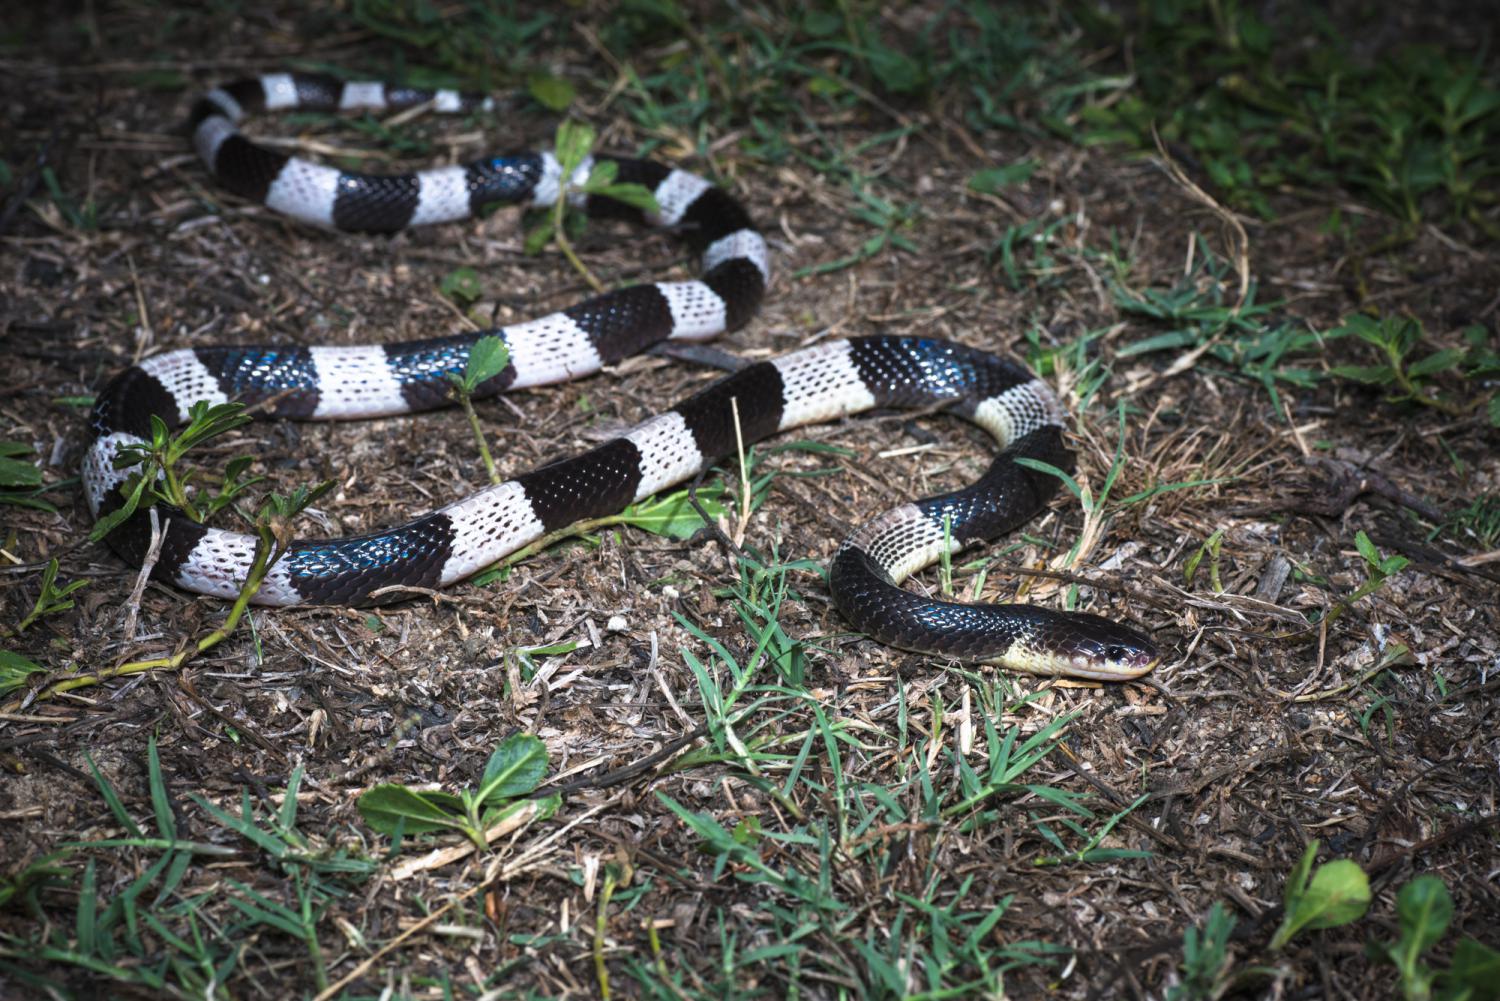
x=153 y=552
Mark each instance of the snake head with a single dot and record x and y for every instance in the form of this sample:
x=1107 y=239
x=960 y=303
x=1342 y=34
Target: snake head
x=1095 y=647
x=1075 y=645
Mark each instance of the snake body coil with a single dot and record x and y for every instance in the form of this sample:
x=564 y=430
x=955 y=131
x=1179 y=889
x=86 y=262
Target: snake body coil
x=820 y=383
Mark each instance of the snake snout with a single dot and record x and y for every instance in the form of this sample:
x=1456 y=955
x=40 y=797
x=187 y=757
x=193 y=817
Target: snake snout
x=1100 y=648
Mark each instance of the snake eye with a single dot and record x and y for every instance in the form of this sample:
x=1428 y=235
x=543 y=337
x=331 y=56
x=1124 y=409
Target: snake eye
x=1115 y=653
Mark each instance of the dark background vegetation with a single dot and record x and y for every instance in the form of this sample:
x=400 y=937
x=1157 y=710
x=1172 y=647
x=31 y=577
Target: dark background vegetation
x=1254 y=245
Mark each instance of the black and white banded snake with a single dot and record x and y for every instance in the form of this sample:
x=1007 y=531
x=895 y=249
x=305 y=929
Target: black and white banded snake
x=828 y=380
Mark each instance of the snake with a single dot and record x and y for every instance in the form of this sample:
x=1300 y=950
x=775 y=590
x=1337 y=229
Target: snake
x=825 y=381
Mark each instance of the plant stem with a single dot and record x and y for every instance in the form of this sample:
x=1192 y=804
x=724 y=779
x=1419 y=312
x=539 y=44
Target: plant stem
x=257 y=575
x=601 y=924
x=176 y=493
x=484 y=448
x=565 y=244
x=1414 y=393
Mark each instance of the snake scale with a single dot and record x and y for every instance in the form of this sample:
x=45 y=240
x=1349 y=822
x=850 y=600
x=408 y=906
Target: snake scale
x=823 y=382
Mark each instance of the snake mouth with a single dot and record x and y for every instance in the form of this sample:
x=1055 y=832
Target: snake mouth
x=1119 y=673
x=1067 y=668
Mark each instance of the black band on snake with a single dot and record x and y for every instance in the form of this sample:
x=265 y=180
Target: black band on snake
x=820 y=383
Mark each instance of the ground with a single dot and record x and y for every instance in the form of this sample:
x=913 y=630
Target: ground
x=851 y=822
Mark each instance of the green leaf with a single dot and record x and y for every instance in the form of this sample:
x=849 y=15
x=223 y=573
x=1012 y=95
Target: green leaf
x=552 y=92
x=26 y=500
x=574 y=141
x=1365 y=327
x=205 y=421
x=1051 y=470
x=1375 y=375
x=14 y=669
x=897 y=71
x=674 y=516
x=1476 y=967
x=601 y=175
x=1159 y=342
x=161 y=804
x=542 y=807
x=461 y=285
x=634 y=195
x=1494 y=409
x=85 y=921
x=747 y=832
x=1367 y=548
x=538 y=237
x=549 y=649
x=1423 y=910
x=1438 y=361
x=992 y=179
x=706 y=827
x=287 y=816
x=236 y=468
x=244 y=824
x=14 y=473
x=260 y=909
x=1338 y=893
x=112 y=799
x=107 y=524
x=290 y=505
x=487 y=359
x=389 y=807
x=514 y=769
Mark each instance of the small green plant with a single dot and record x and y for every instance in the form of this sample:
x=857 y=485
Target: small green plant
x=272 y=523
x=1411 y=379
x=1209 y=549
x=153 y=934
x=1029 y=251
x=554 y=93
x=15 y=668
x=1211 y=313
x=1424 y=909
x=1336 y=893
x=1378 y=568
x=20 y=482
x=1096 y=508
x=1089 y=850
x=887 y=217
x=461 y=285
x=991 y=180
x=1206 y=974
x=81 y=217
x=50 y=599
x=1412 y=131
x=514 y=770
x=1479 y=520
x=487 y=358
x=161 y=475
x=574 y=143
